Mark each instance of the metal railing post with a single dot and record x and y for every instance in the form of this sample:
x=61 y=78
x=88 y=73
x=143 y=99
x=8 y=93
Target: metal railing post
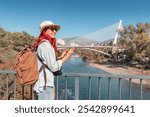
x=56 y=93
x=6 y=86
x=22 y=92
x=119 y=89
x=90 y=84
x=65 y=87
x=31 y=89
x=77 y=88
x=109 y=91
x=15 y=88
x=99 y=93
x=141 y=89
x=130 y=86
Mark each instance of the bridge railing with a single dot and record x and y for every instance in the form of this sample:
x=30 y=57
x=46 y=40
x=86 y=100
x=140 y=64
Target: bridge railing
x=5 y=86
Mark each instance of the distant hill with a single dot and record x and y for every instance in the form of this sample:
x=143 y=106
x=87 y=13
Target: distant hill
x=69 y=39
x=10 y=44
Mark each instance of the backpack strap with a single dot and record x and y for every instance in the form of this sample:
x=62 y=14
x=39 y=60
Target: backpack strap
x=43 y=65
x=43 y=68
x=45 y=78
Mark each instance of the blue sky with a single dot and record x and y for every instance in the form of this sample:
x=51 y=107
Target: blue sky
x=76 y=17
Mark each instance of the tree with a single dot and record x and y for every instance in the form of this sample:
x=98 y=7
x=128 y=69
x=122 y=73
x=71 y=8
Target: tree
x=136 y=41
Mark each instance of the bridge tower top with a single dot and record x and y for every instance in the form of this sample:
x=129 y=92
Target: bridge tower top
x=120 y=28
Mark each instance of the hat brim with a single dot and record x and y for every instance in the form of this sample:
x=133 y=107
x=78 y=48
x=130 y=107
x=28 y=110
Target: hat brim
x=52 y=25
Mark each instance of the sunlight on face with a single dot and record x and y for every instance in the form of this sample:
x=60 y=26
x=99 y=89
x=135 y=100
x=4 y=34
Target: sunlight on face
x=51 y=32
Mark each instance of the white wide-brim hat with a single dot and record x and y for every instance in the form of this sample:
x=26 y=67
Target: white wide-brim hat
x=45 y=24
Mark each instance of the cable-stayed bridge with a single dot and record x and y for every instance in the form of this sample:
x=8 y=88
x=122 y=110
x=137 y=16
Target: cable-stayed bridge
x=102 y=38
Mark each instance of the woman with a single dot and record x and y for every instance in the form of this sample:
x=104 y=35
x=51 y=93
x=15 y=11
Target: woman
x=46 y=52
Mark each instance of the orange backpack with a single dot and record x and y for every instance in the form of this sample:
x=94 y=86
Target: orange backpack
x=26 y=67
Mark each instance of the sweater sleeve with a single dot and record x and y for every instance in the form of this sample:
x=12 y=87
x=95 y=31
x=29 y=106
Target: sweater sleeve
x=47 y=54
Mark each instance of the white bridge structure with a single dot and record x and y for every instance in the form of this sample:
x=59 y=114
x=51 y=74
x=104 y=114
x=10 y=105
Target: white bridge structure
x=97 y=39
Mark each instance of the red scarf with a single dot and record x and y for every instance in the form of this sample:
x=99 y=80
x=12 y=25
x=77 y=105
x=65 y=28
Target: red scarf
x=46 y=37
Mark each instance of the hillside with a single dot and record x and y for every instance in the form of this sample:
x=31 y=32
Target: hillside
x=10 y=44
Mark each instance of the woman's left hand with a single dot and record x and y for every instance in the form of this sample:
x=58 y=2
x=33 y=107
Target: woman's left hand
x=63 y=54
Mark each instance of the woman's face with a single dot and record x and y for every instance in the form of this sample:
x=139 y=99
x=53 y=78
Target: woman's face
x=51 y=31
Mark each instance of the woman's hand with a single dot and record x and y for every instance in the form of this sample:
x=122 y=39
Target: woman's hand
x=63 y=54
x=70 y=52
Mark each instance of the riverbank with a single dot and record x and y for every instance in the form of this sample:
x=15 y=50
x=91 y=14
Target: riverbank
x=122 y=69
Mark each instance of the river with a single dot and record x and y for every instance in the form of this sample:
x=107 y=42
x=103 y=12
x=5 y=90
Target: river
x=79 y=66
